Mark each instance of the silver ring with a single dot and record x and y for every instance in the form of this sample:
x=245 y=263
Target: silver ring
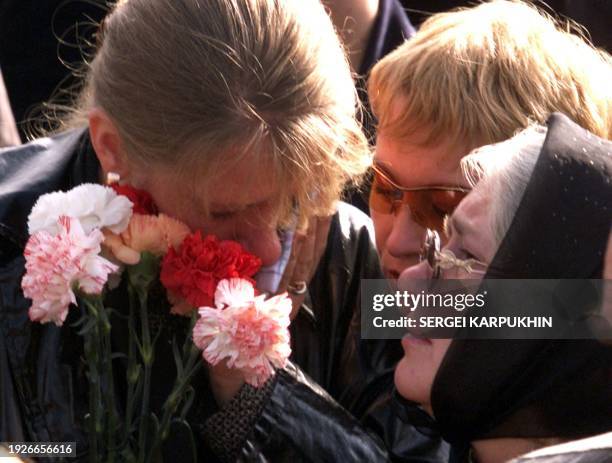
x=297 y=287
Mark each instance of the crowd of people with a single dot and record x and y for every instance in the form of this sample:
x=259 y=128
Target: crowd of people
x=484 y=135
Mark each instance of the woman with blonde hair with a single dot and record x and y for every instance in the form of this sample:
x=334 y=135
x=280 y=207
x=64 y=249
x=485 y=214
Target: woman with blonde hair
x=238 y=118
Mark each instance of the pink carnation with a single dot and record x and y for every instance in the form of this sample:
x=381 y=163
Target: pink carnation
x=57 y=263
x=249 y=331
x=150 y=233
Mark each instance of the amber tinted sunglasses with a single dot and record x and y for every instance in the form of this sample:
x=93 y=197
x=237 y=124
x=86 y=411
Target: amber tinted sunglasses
x=429 y=205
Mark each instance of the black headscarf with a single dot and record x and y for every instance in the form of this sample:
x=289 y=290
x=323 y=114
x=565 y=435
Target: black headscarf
x=540 y=388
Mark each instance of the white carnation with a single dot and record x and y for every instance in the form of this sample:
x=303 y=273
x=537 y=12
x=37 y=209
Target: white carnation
x=95 y=207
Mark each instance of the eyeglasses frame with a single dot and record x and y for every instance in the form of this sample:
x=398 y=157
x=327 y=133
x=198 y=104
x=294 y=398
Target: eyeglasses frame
x=385 y=176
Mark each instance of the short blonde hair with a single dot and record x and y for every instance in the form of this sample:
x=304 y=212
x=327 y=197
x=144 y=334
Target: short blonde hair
x=211 y=82
x=478 y=75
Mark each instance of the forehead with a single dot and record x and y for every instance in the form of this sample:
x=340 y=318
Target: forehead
x=235 y=183
x=412 y=163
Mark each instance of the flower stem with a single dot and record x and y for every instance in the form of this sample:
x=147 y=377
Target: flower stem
x=133 y=377
x=147 y=360
x=92 y=337
x=105 y=328
x=192 y=365
x=102 y=407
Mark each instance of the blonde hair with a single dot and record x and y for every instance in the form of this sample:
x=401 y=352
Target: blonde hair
x=213 y=82
x=478 y=75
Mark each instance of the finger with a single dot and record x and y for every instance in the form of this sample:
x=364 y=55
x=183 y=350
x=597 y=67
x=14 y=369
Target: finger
x=306 y=256
x=316 y=246
x=296 y=246
x=296 y=303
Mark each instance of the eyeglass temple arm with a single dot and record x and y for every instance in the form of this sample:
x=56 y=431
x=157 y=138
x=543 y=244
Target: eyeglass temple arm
x=446 y=260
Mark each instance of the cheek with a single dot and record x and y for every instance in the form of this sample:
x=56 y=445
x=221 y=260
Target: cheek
x=489 y=249
x=383 y=223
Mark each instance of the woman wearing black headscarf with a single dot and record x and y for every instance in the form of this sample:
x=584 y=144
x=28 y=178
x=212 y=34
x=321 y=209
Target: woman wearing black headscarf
x=545 y=214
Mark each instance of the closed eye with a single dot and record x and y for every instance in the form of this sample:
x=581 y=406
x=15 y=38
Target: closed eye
x=225 y=215
x=386 y=192
x=255 y=208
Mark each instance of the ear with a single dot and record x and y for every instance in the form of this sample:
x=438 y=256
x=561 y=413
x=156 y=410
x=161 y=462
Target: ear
x=107 y=143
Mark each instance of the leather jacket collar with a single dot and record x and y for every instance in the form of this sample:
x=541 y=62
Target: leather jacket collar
x=45 y=165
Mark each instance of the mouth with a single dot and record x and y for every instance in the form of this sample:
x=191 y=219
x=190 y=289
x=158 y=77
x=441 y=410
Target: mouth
x=412 y=340
x=391 y=274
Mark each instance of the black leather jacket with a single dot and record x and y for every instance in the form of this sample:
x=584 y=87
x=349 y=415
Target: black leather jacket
x=41 y=390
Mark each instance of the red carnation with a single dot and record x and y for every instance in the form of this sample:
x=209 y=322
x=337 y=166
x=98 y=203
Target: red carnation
x=143 y=201
x=193 y=271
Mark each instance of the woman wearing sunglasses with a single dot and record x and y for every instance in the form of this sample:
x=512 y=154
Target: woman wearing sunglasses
x=542 y=213
x=466 y=79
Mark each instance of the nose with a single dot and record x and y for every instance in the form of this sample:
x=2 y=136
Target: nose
x=264 y=242
x=406 y=237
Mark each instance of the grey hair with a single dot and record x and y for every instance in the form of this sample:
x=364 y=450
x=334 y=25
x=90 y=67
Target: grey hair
x=506 y=168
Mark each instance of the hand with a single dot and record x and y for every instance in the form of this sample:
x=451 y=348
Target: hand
x=225 y=382
x=306 y=252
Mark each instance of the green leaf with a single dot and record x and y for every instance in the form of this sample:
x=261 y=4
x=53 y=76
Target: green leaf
x=88 y=326
x=133 y=373
x=189 y=398
x=145 y=272
x=151 y=424
x=178 y=361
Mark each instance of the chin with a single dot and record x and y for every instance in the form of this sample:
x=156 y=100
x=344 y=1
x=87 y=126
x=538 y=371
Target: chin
x=409 y=384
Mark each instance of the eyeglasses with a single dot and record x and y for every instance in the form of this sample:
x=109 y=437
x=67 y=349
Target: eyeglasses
x=429 y=205
x=445 y=260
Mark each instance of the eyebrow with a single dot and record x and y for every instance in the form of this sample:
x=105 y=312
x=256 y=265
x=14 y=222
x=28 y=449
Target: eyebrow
x=386 y=171
x=396 y=184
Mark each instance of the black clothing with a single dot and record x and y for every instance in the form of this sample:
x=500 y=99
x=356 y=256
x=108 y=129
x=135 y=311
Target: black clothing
x=420 y=10
x=41 y=373
x=593 y=15
x=34 y=62
x=541 y=388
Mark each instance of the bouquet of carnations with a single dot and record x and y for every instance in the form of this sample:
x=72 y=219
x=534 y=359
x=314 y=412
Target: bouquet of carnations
x=86 y=242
